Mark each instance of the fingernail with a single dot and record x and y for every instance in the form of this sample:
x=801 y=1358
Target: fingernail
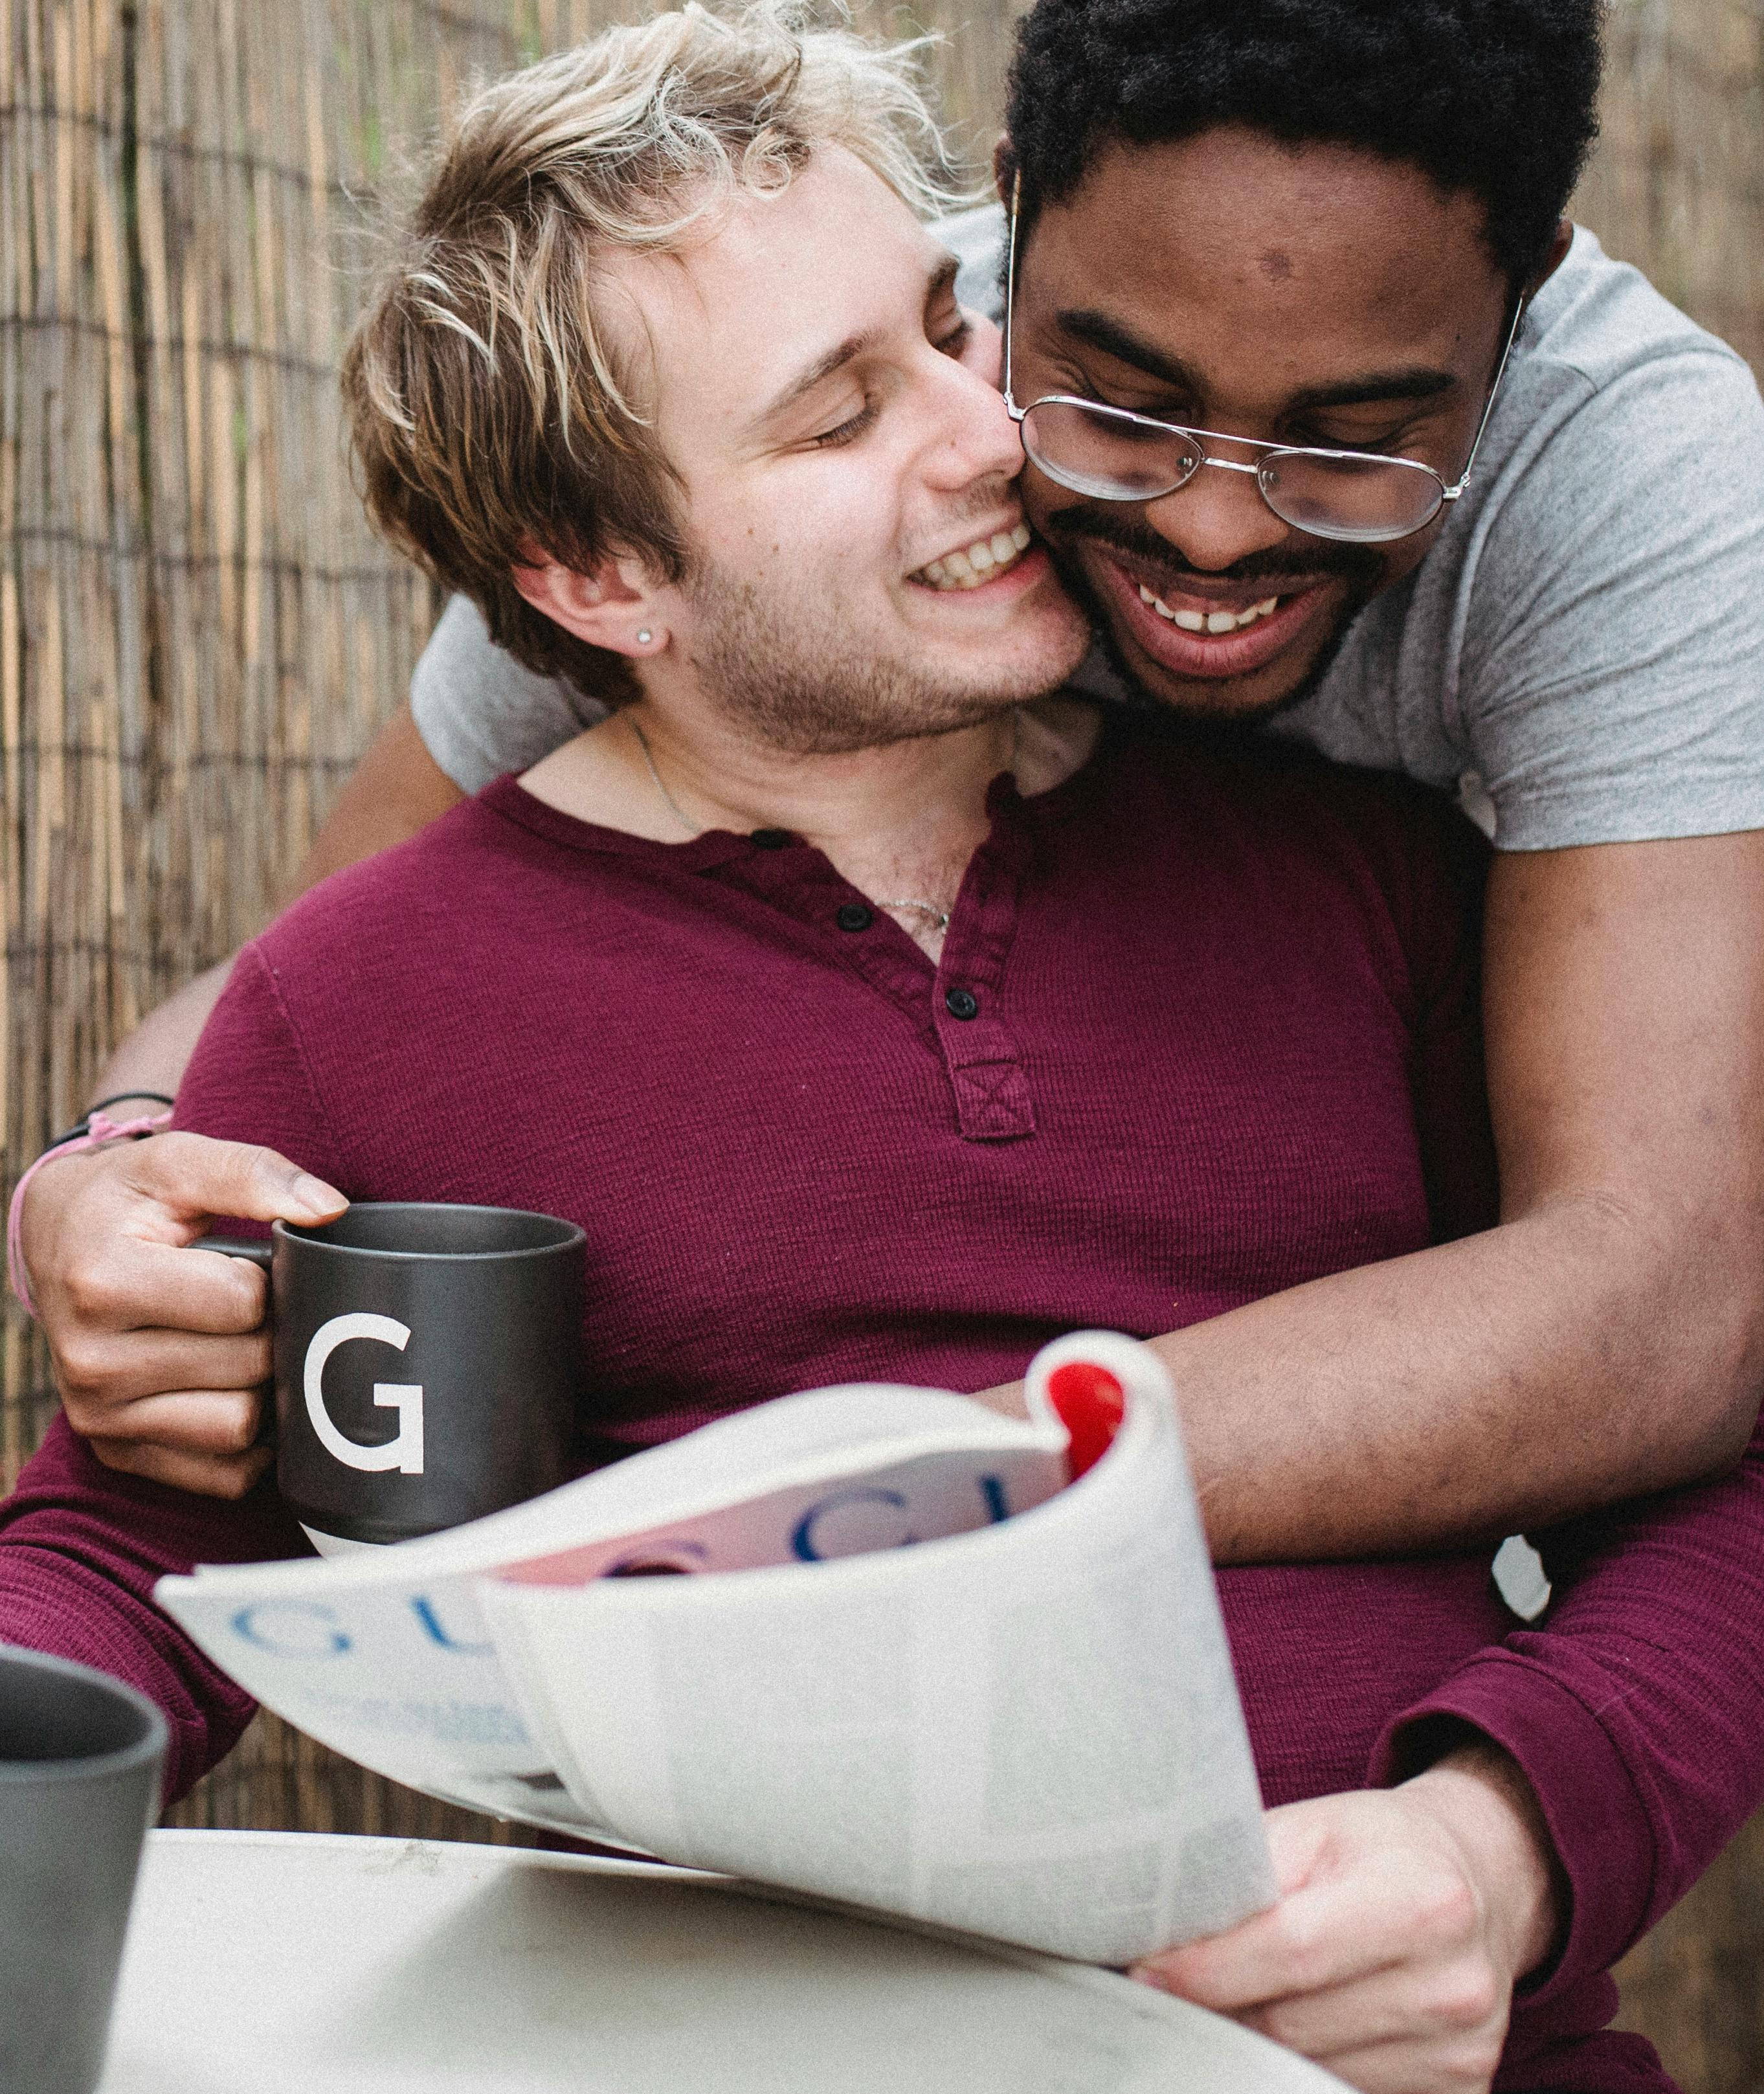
x=314 y=1196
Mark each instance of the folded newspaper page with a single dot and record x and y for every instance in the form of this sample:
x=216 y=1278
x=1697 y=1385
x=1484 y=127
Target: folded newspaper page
x=919 y=1657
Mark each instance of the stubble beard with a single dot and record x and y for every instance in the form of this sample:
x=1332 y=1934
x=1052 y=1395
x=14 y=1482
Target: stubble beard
x=798 y=685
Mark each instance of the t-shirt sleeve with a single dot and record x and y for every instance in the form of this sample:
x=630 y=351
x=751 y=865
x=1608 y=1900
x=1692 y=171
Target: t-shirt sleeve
x=1635 y=1707
x=976 y=238
x=1610 y=679
x=480 y=712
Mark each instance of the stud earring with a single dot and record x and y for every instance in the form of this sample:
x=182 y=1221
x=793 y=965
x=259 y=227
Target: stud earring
x=644 y=635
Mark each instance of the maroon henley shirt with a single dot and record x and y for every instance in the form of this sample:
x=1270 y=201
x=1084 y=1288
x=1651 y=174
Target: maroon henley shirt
x=1204 y=1027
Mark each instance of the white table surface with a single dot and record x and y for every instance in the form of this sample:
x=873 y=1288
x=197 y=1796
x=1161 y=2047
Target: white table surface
x=290 y=1963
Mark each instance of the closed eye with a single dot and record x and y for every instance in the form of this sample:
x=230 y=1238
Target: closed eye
x=848 y=431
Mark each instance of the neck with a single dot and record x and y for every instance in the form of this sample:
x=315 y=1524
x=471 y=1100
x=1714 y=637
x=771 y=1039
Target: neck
x=902 y=819
x=719 y=779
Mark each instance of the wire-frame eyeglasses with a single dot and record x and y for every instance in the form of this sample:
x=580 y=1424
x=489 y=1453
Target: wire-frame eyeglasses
x=1112 y=455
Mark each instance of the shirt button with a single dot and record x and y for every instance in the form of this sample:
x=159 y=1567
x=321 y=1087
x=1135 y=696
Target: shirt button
x=853 y=916
x=961 y=1003
x=772 y=839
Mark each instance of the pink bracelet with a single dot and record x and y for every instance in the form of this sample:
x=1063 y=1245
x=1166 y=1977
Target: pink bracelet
x=99 y=1128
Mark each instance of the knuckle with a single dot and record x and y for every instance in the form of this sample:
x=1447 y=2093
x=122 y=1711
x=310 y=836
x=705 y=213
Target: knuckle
x=91 y=1289
x=238 y=1425
x=85 y=1365
x=1471 y=2064
x=1445 y=1908
x=1467 y=1998
x=127 y=1457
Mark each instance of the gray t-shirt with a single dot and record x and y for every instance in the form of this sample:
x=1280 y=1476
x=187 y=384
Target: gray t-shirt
x=1583 y=642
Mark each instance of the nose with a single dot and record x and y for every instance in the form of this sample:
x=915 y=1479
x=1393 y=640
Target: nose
x=970 y=436
x=1216 y=518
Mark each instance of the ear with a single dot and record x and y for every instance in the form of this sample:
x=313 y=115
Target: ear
x=1554 y=260
x=606 y=605
x=1003 y=170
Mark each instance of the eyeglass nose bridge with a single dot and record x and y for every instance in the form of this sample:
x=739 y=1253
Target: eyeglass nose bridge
x=1196 y=444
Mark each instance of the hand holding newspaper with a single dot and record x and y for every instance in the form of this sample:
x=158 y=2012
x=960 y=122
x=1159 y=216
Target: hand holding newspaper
x=1023 y=1724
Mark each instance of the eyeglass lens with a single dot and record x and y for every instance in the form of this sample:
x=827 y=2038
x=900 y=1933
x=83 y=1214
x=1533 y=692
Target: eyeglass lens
x=1116 y=458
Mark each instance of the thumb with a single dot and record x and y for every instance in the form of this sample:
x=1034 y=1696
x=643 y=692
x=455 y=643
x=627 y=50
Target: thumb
x=191 y=1176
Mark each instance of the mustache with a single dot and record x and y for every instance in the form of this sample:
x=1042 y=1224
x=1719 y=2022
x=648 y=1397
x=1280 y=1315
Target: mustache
x=1361 y=565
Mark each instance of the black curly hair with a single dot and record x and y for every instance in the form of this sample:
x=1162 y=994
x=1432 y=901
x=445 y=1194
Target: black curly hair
x=1495 y=97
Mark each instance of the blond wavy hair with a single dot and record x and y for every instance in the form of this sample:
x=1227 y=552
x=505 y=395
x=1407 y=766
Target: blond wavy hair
x=488 y=415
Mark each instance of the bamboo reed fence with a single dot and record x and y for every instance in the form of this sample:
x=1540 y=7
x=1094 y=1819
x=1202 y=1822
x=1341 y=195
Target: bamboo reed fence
x=198 y=636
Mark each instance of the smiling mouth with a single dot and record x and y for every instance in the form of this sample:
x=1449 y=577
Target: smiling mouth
x=1215 y=621
x=974 y=566
x=1214 y=633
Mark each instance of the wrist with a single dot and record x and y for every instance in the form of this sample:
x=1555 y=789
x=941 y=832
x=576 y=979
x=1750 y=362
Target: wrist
x=118 y=1106
x=95 y=1130
x=1479 y=1795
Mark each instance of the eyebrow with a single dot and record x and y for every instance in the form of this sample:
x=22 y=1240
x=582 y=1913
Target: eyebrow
x=938 y=281
x=1100 y=330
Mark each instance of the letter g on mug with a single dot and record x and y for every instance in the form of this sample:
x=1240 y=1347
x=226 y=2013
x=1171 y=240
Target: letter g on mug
x=485 y=1305
x=404 y=1452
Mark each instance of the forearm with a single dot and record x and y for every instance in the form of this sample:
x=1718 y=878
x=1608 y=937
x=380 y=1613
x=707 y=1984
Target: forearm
x=153 y=1058
x=1566 y=1359
x=1636 y=1709
x=397 y=790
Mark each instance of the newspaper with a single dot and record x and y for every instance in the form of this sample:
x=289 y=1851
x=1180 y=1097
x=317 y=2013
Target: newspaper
x=910 y=1662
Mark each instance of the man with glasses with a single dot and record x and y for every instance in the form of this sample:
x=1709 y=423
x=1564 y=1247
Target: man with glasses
x=1333 y=425
x=876 y=1013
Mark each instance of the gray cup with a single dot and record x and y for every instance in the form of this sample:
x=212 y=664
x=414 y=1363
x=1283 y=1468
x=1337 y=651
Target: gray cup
x=427 y=1363
x=80 y=1756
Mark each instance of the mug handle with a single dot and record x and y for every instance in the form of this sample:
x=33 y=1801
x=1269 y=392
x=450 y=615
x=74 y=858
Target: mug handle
x=259 y=1249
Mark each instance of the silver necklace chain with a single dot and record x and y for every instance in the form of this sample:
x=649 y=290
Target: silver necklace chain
x=938 y=918
x=674 y=806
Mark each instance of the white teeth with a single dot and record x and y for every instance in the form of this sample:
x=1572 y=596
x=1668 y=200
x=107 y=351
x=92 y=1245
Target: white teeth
x=1215 y=621
x=982 y=562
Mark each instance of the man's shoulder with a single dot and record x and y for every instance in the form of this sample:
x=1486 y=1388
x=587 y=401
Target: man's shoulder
x=456 y=869
x=1597 y=318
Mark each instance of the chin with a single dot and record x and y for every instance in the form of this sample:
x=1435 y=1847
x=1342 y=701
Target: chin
x=1229 y=701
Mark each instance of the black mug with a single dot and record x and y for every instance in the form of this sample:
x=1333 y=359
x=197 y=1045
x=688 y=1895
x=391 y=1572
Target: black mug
x=80 y=1756
x=427 y=1364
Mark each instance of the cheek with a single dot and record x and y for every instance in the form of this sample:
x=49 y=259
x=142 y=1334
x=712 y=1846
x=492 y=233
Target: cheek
x=825 y=526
